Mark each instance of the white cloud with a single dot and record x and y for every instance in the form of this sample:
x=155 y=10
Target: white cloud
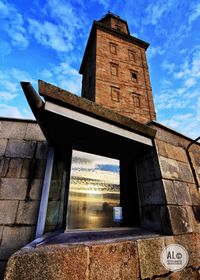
x=86 y=165
x=13 y=25
x=7 y=96
x=64 y=25
x=104 y=3
x=195 y=13
x=169 y=67
x=5 y=48
x=66 y=13
x=10 y=111
x=188 y=123
x=11 y=93
x=190 y=82
x=169 y=99
x=64 y=76
x=51 y=35
x=153 y=51
x=10 y=88
x=156 y=10
x=189 y=71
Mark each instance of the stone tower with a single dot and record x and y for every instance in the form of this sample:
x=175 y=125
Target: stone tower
x=115 y=70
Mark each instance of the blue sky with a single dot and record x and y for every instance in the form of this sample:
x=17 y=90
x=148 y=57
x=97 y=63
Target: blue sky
x=45 y=39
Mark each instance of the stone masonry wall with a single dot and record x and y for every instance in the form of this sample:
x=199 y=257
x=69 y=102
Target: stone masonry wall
x=23 y=152
x=114 y=259
x=181 y=192
x=167 y=186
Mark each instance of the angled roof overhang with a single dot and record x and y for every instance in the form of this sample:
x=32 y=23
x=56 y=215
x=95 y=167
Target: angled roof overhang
x=70 y=121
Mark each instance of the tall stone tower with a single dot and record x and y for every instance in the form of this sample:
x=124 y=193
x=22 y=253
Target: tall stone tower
x=115 y=70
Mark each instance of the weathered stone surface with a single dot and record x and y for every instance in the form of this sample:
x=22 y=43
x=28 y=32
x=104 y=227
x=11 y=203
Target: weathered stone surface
x=26 y=168
x=1 y=232
x=16 y=237
x=27 y=212
x=195 y=156
x=193 y=221
x=191 y=242
x=151 y=218
x=33 y=131
x=36 y=189
x=148 y=170
x=185 y=172
x=8 y=211
x=165 y=221
x=165 y=135
x=11 y=188
x=3 y=144
x=153 y=192
x=182 y=193
x=149 y=251
x=169 y=168
x=14 y=168
x=42 y=150
x=114 y=261
x=40 y=165
x=197 y=172
x=179 y=218
x=175 y=170
x=59 y=262
x=2 y=160
x=4 y=166
x=12 y=129
x=185 y=274
x=20 y=148
x=169 y=192
x=171 y=151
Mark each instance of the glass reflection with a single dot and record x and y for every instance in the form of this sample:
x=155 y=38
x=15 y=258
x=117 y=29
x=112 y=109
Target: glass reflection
x=94 y=192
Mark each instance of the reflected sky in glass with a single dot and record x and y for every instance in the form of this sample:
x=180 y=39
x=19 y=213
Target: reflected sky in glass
x=94 y=191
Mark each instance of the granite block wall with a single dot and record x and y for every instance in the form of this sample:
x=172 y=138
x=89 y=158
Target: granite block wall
x=23 y=152
x=167 y=185
x=131 y=259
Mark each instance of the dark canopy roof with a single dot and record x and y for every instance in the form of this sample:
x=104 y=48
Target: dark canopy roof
x=68 y=120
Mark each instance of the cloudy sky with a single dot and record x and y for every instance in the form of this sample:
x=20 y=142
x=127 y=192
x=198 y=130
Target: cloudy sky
x=45 y=39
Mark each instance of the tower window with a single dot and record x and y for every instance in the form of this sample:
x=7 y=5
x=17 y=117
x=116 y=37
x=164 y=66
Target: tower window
x=136 y=100
x=131 y=55
x=114 y=69
x=134 y=75
x=118 y=27
x=115 y=93
x=113 y=48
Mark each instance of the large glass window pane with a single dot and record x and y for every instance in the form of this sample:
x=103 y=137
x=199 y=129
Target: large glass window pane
x=94 y=193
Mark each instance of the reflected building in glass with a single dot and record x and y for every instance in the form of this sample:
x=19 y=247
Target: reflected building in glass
x=94 y=194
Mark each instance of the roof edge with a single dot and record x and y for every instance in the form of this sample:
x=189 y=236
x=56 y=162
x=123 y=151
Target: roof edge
x=170 y=130
x=66 y=99
x=11 y=119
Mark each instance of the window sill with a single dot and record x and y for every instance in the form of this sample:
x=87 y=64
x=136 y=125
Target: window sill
x=92 y=236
